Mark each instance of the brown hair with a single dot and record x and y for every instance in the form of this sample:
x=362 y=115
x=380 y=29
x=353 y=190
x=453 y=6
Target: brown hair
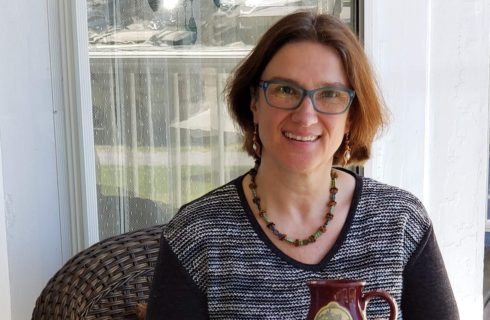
x=366 y=114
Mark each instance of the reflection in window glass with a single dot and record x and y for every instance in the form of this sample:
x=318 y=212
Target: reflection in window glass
x=158 y=67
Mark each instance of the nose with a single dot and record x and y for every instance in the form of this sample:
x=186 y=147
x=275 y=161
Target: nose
x=305 y=114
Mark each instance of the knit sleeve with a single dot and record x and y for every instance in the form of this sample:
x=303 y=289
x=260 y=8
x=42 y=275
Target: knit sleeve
x=173 y=294
x=427 y=293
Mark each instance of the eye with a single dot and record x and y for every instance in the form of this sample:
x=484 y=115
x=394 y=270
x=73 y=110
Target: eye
x=284 y=90
x=329 y=93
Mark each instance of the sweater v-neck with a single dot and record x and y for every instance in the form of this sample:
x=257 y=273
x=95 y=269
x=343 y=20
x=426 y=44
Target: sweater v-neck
x=278 y=252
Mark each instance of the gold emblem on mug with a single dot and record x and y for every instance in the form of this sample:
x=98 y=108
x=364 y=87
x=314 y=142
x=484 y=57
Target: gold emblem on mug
x=333 y=311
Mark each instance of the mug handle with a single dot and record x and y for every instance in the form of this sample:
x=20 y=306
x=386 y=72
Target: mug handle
x=383 y=295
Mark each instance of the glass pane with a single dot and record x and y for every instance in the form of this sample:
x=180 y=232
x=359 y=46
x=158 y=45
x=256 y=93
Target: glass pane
x=158 y=67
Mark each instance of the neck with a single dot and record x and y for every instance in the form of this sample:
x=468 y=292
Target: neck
x=310 y=183
x=304 y=219
x=293 y=193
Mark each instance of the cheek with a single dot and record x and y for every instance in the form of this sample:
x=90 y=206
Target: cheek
x=260 y=112
x=336 y=127
x=270 y=118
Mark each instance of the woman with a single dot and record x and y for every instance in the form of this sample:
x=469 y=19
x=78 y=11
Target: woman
x=306 y=101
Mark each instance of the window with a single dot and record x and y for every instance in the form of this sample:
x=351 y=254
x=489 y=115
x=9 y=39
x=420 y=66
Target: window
x=161 y=130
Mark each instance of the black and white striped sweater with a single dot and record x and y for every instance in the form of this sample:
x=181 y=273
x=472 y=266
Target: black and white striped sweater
x=216 y=262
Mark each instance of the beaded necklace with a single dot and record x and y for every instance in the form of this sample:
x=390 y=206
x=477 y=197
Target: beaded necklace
x=271 y=225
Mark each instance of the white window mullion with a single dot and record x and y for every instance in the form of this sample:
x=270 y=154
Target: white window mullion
x=80 y=150
x=57 y=51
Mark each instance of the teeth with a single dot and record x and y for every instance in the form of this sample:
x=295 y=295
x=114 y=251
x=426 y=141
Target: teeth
x=300 y=138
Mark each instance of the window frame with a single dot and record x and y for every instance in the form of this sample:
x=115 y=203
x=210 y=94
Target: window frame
x=74 y=131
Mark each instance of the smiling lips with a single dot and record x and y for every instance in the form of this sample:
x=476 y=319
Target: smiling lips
x=291 y=136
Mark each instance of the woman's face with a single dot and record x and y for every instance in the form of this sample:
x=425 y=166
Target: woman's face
x=301 y=140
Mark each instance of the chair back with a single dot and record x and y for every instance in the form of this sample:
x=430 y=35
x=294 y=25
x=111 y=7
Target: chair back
x=105 y=281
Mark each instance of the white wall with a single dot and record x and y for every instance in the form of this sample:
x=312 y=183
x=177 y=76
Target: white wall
x=458 y=123
x=432 y=62
x=28 y=158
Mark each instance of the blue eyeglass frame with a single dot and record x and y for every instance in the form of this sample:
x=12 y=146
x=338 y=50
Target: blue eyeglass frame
x=264 y=84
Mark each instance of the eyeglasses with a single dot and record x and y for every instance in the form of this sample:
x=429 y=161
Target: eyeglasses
x=287 y=96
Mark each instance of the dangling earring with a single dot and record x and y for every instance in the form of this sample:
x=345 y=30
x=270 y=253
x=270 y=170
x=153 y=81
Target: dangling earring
x=347 y=149
x=255 y=142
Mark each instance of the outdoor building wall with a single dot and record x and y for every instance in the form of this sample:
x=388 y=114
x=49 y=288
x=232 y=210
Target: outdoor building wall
x=458 y=142
x=28 y=158
x=432 y=61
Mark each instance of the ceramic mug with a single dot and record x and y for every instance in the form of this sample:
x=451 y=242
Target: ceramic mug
x=344 y=300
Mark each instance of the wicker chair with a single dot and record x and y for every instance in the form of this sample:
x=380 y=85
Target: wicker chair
x=105 y=281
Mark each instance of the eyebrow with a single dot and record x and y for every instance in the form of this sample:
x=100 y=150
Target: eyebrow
x=325 y=84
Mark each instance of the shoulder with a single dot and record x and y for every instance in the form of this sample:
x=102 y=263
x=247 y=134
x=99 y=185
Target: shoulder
x=396 y=218
x=394 y=210
x=197 y=232
x=200 y=216
x=393 y=200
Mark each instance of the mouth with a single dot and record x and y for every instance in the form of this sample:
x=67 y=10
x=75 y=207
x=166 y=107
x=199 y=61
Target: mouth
x=308 y=138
